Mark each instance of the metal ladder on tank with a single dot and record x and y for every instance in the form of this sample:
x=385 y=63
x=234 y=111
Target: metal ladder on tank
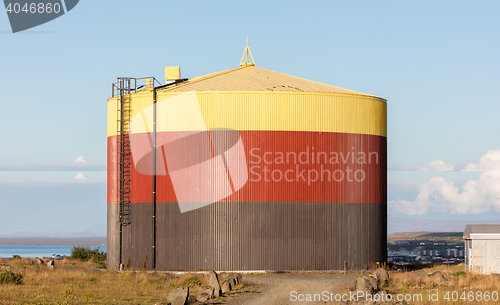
x=123 y=89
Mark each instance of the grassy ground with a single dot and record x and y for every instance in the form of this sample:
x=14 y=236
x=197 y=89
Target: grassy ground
x=74 y=282
x=470 y=286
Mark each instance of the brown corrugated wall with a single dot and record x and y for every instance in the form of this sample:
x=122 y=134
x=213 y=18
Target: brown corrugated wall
x=259 y=236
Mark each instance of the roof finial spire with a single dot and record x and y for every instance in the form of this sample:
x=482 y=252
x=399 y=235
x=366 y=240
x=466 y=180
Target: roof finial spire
x=245 y=56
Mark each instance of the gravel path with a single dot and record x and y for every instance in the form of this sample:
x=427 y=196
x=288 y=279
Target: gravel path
x=275 y=289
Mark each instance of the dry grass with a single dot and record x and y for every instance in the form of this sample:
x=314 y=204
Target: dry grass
x=73 y=282
x=455 y=280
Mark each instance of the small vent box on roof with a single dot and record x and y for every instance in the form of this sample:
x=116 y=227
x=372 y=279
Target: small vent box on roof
x=172 y=73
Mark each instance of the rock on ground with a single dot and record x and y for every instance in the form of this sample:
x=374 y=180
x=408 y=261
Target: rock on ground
x=213 y=281
x=226 y=287
x=51 y=264
x=178 y=296
x=383 y=276
x=363 y=284
x=435 y=277
x=32 y=261
x=373 y=279
x=233 y=280
x=205 y=294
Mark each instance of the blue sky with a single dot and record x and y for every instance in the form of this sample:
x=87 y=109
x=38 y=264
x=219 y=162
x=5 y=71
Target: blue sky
x=436 y=62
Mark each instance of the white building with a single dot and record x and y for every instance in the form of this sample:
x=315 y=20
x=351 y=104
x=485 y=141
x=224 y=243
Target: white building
x=427 y=252
x=454 y=252
x=482 y=248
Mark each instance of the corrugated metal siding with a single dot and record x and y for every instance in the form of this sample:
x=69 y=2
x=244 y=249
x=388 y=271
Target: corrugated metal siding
x=259 y=236
x=112 y=169
x=138 y=237
x=256 y=143
x=271 y=236
x=285 y=111
x=293 y=112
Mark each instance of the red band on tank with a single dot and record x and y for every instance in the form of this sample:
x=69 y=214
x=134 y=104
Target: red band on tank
x=291 y=166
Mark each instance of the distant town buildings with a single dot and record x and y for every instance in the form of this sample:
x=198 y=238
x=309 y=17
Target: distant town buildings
x=431 y=251
x=482 y=248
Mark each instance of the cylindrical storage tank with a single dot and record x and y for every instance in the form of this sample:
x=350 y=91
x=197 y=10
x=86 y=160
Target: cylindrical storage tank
x=255 y=170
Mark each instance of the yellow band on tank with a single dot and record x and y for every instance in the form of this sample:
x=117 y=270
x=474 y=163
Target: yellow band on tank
x=276 y=111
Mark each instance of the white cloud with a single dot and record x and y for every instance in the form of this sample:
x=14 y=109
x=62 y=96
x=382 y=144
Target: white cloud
x=81 y=159
x=81 y=177
x=441 y=195
x=438 y=166
x=490 y=161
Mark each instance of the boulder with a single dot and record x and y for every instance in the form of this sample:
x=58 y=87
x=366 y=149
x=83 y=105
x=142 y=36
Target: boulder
x=435 y=277
x=38 y=261
x=239 y=277
x=363 y=284
x=373 y=279
x=213 y=281
x=383 y=276
x=31 y=261
x=51 y=264
x=205 y=294
x=178 y=296
x=226 y=287
x=228 y=277
x=232 y=280
x=191 y=299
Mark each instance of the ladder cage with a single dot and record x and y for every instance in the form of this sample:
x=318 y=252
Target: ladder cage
x=123 y=89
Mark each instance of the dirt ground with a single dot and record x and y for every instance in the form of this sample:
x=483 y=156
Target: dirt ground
x=275 y=289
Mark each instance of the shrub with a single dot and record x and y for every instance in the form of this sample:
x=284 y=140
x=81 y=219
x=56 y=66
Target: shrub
x=85 y=254
x=15 y=256
x=9 y=277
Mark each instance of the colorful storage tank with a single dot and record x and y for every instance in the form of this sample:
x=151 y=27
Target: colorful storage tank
x=254 y=170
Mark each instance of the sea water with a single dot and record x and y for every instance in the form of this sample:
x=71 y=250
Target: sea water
x=39 y=251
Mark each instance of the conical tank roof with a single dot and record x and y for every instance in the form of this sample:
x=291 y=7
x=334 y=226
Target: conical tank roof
x=252 y=78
